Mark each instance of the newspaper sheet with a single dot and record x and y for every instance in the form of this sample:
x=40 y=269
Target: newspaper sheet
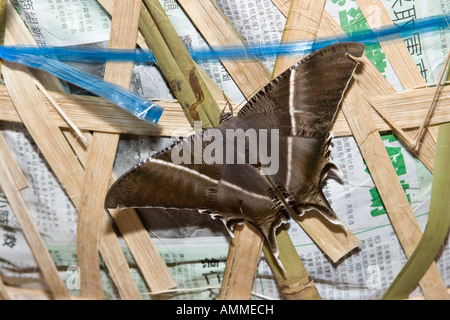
x=195 y=247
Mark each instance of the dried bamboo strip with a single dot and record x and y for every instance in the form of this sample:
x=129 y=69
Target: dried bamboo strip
x=118 y=268
x=16 y=293
x=388 y=185
x=109 y=246
x=377 y=16
x=152 y=266
x=60 y=111
x=102 y=153
x=404 y=66
x=46 y=134
x=3 y=291
x=249 y=75
x=195 y=99
x=422 y=129
x=5 y=153
x=302 y=23
x=134 y=233
x=44 y=131
x=91 y=210
x=108 y=5
x=243 y=256
x=283 y=6
x=96 y=114
x=31 y=233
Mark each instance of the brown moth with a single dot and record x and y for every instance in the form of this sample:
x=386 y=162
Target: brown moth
x=294 y=112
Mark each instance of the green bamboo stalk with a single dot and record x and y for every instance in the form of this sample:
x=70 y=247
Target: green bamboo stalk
x=438 y=224
x=177 y=65
x=437 y=227
x=294 y=281
x=177 y=82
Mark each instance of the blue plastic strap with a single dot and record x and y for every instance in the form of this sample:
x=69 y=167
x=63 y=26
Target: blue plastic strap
x=47 y=59
x=88 y=55
x=126 y=99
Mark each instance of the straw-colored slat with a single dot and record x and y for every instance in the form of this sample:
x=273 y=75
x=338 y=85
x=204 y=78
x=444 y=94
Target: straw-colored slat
x=152 y=266
x=404 y=67
x=96 y=114
x=108 y=5
x=218 y=31
x=243 y=256
x=102 y=152
x=303 y=20
x=136 y=237
x=60 y=111
x=60 y=158
x=16 y=293
x=108 y=243
x=408 y=231
x=115 y=260
x=423 y=127
x=91 y=210
x=388 y=185
x=403 y=64
x=31 y=234
x=39 y=122
x=144 y=251
x=5 y=153
x=4 y=295
x=283 y=6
